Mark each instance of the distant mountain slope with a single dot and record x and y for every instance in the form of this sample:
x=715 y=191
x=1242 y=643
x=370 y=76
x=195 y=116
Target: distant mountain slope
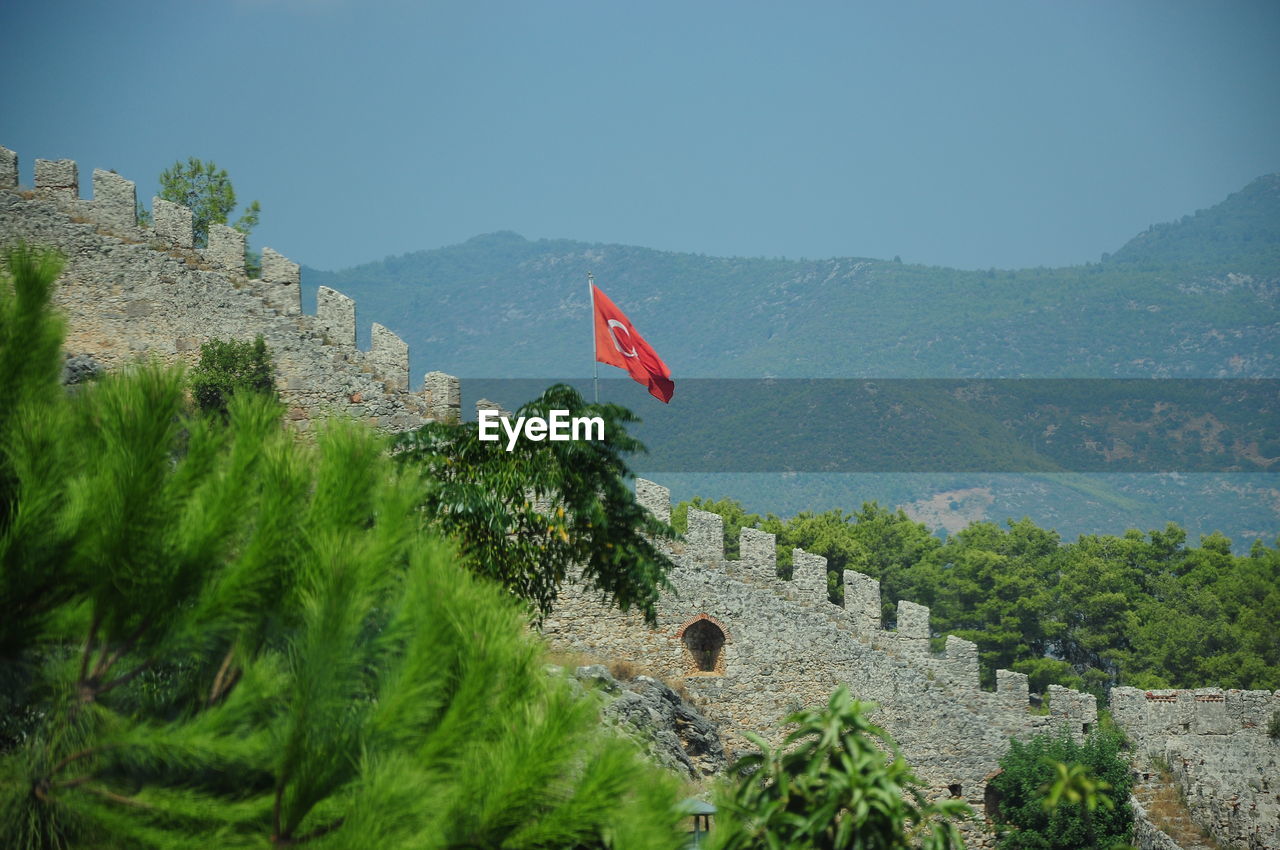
x=1198 y=297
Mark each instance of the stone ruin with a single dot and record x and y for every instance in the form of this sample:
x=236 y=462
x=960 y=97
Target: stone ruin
x=751 y=648
x=131 y=291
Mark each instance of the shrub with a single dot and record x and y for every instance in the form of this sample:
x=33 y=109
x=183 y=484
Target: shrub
x=837 y=781
x=229 y=367
x=1054 y=769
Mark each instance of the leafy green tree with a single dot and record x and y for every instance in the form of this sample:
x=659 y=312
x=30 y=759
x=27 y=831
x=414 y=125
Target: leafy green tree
x=837 y=781
x=230 y=366
x=1057 y=794
x=207 y=191
x=547 y=511
x=245 y=641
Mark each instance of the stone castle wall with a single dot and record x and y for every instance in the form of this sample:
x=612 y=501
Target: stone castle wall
x=1217 y=747
x=130 y=292
x=785 y=646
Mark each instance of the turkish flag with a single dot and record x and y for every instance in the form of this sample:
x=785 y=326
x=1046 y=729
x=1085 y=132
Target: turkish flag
x=618 y=344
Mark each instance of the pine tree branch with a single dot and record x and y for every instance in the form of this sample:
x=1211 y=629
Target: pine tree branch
x=74 y=757
x=122 y=680
x=222 y=682
x=310 y=836
x=88 y=646
x=276 y=838
x=115 y=798
x=110 y=658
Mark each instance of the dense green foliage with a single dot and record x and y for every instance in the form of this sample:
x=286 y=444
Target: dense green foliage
x=207 y=191
x=837 y=781
x=228 y=367
x=217 y=636
x=546 y=511
x=1140 y=609
x=1056 y=794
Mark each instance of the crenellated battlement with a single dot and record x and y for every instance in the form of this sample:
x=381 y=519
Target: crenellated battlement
x=764 y=646
x=158 y=293
x=913 y=637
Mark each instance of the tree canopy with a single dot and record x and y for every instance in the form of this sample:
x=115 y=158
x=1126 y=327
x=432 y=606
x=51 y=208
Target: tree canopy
x=217 y=635
x=1056 y=794
x=546 y=512
x=207 y=191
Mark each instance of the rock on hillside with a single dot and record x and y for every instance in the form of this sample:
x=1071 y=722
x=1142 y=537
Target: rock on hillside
x=669 y=729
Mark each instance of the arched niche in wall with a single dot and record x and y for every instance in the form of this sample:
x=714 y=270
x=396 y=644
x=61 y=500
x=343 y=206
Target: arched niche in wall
x=704 y=639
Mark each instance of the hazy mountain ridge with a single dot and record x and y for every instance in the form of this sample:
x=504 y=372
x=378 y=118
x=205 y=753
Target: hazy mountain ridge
x=1199 y=297
x=1194 y=298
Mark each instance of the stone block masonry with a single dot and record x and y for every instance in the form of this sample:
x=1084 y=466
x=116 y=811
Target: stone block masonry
x=8 y=169
x=1216 y=744
x=116 y=200
x=654 y=498
x=226 y=248
x=444 y=396
x=128 y=294
x=752 y=648
x=172 y=223
x=336 y=316
x=283 y=279
x=57 y=180
x=390 y=354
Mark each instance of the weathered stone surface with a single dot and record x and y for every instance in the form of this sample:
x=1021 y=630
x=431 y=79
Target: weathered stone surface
x=673 y=732
x=172 y=222
x=655 y=498
x=704 y=536
x=962 y=660
x=283 y=280
x=8 y=169
x=78 y=368
x=809 y=575
x=786 y=648
x=390 y=355
x=757 y=553
x=1215 y=743
x=226 y=248
x=862 y=601
x=336 y=316
x=115 y=201
x=443 y=396
x=1013 y=689
x=124 y=300
x=913 y=627
x=57 y=180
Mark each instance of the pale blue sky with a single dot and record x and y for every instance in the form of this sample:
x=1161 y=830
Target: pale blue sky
x=967 y=134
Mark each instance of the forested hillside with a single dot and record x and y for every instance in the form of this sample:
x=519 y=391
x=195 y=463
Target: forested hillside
x=1198 y=297
x=1195 y=297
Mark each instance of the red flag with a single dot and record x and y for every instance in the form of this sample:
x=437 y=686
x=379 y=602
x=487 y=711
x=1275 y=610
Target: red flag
x=618 y=344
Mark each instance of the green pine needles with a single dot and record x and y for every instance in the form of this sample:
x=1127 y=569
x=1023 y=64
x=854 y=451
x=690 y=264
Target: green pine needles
x=217 y=636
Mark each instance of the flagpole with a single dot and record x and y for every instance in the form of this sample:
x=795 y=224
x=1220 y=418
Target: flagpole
x=595 y=363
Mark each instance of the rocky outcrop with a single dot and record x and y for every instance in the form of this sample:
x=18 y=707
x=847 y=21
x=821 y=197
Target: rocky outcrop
x=669 y=729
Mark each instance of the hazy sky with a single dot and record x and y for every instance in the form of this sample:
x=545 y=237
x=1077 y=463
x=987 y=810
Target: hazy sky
x=956 y=133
